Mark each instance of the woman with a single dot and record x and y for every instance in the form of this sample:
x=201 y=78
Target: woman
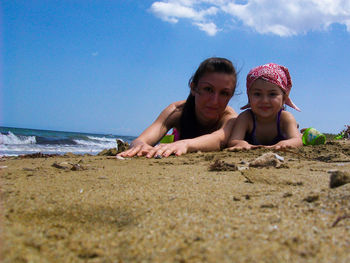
x=203 y=121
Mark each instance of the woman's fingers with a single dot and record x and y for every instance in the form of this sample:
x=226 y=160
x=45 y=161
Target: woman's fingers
x=139 y=150
x=133 y=151
x=167 y=152
x=127 y=153
x=150 y=153
x=161 y=149
x=164 y=150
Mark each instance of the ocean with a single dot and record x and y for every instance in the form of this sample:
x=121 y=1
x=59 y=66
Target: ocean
x=18 y=141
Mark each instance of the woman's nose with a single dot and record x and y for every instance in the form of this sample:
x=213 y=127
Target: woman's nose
x=215 y=98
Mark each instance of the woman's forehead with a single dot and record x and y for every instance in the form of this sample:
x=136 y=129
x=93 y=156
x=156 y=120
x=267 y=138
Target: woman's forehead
x=217 y=79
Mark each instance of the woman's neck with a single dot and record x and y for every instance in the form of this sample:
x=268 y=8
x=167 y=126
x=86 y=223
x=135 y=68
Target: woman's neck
x=206 y=127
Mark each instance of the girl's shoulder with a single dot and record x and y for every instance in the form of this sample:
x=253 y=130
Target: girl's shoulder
x=287 y=120
x=245 y=115
x=286 y=116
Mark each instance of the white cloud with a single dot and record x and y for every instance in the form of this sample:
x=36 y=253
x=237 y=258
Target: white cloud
x=279 y=17
x=196 y=11
x=209 y=28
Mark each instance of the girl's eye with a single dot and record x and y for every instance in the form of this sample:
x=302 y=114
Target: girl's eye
x=274 y=94
x=256 y=94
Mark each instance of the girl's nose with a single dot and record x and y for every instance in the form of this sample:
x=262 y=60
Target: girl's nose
x=265 y=98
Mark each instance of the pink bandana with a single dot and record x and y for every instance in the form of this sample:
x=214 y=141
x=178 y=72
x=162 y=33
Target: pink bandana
x=275 y=74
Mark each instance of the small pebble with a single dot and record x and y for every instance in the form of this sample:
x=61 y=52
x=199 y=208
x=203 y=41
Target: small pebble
x=338 y=178
x=312 y=198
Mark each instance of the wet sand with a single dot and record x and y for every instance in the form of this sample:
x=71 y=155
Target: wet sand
x=177 y=209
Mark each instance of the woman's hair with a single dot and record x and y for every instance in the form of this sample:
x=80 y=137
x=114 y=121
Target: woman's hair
x=188 y=121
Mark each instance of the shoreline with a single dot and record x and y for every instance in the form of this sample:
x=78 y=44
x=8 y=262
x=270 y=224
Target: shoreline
x=78 y=208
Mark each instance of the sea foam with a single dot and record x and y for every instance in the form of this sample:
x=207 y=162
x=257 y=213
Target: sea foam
x=11 y=138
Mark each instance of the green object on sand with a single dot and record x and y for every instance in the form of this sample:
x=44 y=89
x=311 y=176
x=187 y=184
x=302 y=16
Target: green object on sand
x=169 y=138
x=311 y=136
x=339 y=136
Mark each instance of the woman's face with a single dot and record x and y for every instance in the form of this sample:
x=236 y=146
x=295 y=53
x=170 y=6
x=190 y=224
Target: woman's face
x=212 y=93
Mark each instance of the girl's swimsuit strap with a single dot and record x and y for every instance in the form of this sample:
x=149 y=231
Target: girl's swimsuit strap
x=279 y=133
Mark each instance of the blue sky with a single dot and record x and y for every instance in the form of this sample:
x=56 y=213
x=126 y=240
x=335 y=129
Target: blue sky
x=112 y=66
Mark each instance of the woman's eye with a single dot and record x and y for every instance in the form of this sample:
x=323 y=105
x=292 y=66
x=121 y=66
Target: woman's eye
x=225 y=94
x=208 y=89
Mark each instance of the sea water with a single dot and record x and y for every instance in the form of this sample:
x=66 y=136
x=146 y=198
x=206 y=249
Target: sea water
x=18 y=141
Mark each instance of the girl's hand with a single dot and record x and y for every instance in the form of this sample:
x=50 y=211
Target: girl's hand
x=242 y=145
x=178 y=148
x=139 y=149
x=286 y=144
x=282 y=145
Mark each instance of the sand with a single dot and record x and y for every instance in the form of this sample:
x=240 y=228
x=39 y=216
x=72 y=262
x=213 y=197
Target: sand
x=100 y=209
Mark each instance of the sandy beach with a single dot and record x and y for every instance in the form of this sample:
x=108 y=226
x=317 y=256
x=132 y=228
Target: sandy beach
x=200 y=207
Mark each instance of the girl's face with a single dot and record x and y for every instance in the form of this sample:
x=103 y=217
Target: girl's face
x=212 y=93
x=265 y=98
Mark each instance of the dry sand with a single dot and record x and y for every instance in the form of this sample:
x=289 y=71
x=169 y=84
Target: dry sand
x=175 y=209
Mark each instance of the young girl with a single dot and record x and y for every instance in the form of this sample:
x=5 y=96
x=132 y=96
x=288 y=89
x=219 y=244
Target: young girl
x=266 y=123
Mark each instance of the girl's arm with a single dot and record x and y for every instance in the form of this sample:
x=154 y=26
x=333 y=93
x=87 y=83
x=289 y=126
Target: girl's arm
x=214 y=141
x=240 y=128
x=289 y=127
x=143 y=144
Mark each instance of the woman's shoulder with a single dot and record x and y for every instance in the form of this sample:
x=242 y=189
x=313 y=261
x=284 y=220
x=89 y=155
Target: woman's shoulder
x=172 y=113
x=229 y=113
x=230 y=110
x=175 y=107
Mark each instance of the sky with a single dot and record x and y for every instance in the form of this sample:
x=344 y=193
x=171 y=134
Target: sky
x=105 y=66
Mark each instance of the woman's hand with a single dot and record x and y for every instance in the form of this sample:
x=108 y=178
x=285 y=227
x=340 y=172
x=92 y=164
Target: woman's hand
x=138 y=149
x=178 y=148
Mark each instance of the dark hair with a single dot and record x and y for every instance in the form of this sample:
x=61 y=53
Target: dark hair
x=188 y=121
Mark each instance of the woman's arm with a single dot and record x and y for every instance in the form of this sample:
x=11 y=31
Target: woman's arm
x=143 y=144
x=214 y=141
x=290 y=130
